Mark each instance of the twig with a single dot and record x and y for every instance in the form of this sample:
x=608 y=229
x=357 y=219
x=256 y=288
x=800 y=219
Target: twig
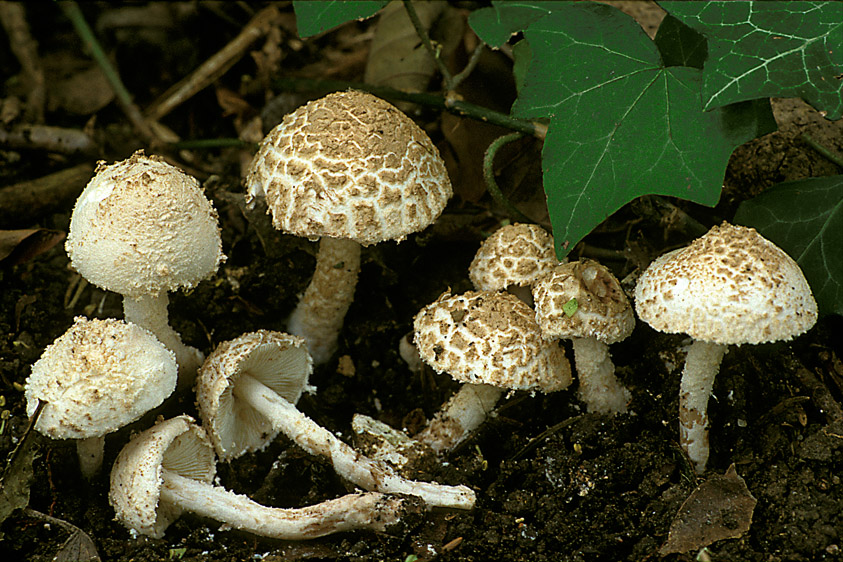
x=834 y=157
x=52 y=139
x=469 y=68
x=26 y=50
x=447 y=78
x=23 y=203
x=215 y=66
x=451 y=104
x=124 y=98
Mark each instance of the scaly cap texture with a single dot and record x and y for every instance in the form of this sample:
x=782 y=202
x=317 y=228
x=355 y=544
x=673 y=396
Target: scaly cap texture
x=350 y=165
x=515 y=254
x=730 y=286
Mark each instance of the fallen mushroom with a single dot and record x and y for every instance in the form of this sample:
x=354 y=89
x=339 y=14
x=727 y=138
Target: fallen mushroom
x=170 y=467
x=247 y=390
x=729 y=287
x=490 y=341
x=142 y=228
x=97 y=377
x=582 y=301
x=351 y=170
x=512 y=258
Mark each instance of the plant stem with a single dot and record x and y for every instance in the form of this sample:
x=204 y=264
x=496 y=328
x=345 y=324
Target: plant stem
x=447 y=78
x=489 y=176
x=124 y=98
x=822 y=149
x=450 y=103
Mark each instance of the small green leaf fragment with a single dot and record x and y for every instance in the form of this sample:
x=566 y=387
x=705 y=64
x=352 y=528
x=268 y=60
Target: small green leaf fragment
x=570 y=307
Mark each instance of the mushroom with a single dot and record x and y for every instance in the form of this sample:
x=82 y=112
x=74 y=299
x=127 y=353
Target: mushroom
x=351 y=170
x=246 y=391
x=582 y=301
x=729 y=287
x=97 y=377
x=512 y=258
x=141 y=228
x=170 y=467
x=490 y=341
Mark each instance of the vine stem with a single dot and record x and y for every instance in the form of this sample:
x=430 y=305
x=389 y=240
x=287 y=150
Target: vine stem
x=489 y=176
x=447 y=78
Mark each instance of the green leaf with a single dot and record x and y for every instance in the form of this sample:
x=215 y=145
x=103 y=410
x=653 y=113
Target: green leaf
x=680 y=45
x=496 y=24
x=805 y=219
x=521 y=55
x=316 y=16
x=621 y=124
x=769 y=49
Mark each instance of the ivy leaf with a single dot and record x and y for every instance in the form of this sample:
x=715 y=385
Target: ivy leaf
x=679 y=44
x=496 y=24
x=622 y=125
x=805 y=219
x=769 y=49
x=316 y=16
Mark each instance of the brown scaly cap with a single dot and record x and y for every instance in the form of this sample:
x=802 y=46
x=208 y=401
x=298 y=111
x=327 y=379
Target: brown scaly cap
x=489 y=338
x=350 y=165
x=603 y=312
x=515 y=254
x=731 y=286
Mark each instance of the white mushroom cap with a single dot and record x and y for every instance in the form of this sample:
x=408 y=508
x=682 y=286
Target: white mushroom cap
x=350 y=165
x=602 y=312
x=279 y=361
x=143 y=227
x=177 y=445
x=515 y=254
x=485 y=337
x=731 y=286
x=97 y=377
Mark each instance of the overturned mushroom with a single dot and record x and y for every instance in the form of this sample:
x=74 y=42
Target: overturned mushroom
x=582 y=301
x=352 y=170
x=491 y=342
x=99 y=376
x=170 y=468
x=142 y=228
x=729 y=287
x=246 y=391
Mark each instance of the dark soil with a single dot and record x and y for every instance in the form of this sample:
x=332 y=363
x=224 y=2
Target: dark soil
x=553 y=483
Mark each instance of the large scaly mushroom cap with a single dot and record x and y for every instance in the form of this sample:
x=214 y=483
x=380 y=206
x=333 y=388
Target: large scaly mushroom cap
x=489 y=338
x=730 y=286
x=350 y=165
x=515 y=254
x=143 y=227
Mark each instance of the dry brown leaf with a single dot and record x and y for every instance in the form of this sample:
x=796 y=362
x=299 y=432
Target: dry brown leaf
x=719 y=508
x=18 y=246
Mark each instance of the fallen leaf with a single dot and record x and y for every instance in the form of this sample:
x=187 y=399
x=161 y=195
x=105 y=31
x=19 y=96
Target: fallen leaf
x=18 y=246
x=17 y=476
x=719 y=508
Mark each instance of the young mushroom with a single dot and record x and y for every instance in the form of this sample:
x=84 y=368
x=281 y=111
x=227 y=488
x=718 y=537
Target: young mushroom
x=582 y=301
x=490 y=341
x=141 y=228
x=170 y=468
x=351 y=170
x=247 y=389
x=729 y=287
x=512 y=258
x=97 y=377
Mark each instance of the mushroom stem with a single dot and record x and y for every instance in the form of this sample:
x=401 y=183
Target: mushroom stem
x=150 y=312
x=463 y=413
x=319 y=315
x=701 y=367
x=90 y=452
x=600 y=389
x=348 y=463
x=353 y=511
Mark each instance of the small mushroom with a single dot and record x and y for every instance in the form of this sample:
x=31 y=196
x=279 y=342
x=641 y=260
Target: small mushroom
x=490 y=341
x=170 y=467
x=141 y=228
x=99 y=376
x=729 y=287
x=582 y=301
x=247 y=389
x=512 y=258
x=351 y=170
